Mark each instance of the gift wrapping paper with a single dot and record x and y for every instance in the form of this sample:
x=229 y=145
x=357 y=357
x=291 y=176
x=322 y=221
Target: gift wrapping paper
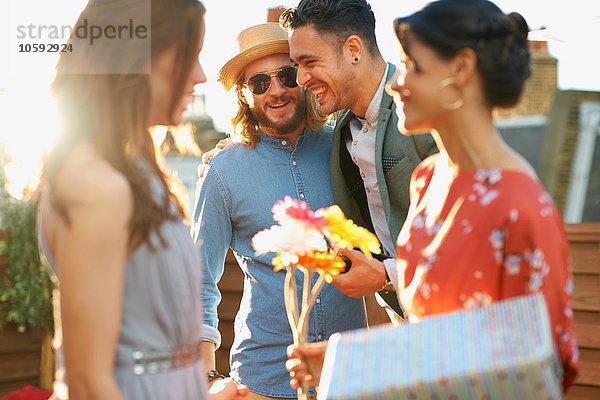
x=500 y=351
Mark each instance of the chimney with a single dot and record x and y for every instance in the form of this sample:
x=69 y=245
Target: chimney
x=538 y=48
x=274 y=13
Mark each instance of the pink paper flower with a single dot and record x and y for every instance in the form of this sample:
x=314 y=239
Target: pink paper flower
x=290 y=208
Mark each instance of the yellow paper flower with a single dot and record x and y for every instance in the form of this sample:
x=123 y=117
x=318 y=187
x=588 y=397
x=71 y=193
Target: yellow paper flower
x=347 y=235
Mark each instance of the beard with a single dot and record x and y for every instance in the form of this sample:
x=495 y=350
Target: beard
x=289 y=123
x=348 y=95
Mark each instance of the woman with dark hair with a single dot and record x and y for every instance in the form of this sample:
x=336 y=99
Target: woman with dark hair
x=481 y=227
x=127 y=305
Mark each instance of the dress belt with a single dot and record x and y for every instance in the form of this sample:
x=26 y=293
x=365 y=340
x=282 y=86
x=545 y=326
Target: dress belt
x=159 y=361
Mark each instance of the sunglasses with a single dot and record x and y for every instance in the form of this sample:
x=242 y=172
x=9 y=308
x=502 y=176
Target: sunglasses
x=260 y=83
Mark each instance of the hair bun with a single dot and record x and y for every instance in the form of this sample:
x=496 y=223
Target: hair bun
x=494 y=26
x=519 y=25
x=499 y=26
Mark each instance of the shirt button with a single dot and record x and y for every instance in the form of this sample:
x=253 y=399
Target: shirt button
x=363 y=175
x=355 y=142
x=301 y=195
x=294 y=162
x=320 y=337
x=318 y=301
x=365 y=130
x=354 y=159
x=368 y=190
x=284 y=142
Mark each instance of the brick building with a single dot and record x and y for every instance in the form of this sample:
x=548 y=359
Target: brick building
x=570 y=167
x=556 y=131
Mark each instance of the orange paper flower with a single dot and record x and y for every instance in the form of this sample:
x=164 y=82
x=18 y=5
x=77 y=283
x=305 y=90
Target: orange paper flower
x=323 y=263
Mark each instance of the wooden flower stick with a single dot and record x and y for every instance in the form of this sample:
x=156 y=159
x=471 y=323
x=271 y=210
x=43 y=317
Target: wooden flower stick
x=291 y=302
x=290 y=296
x=299 y=324
x=308 y=302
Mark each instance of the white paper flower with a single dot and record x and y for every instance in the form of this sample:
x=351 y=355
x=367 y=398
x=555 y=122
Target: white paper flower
x=290 y=240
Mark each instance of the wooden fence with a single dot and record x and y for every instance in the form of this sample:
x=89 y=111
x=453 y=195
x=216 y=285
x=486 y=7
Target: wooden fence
x=585 y=253
x=20 y=358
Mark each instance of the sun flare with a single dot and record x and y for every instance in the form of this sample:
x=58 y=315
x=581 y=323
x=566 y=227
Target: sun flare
x=28 y=131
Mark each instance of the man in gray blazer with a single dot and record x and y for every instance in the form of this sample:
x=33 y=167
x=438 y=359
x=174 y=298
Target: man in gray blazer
x=333 y=43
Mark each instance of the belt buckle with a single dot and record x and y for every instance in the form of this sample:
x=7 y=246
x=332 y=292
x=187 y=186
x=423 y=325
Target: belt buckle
x=156 y=361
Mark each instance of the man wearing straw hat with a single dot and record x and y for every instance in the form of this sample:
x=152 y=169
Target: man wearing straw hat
x=283 y=149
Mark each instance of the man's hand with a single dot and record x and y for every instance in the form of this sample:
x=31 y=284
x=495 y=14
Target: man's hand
x=202 y=168
x=366 y=275
x=305 y=363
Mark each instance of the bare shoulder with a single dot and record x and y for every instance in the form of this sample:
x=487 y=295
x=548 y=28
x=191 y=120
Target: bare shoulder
x=93 y=196
x=87 y=179
x=516 y=162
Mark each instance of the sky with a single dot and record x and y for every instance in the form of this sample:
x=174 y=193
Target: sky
x=576 y=25
x=29 y=120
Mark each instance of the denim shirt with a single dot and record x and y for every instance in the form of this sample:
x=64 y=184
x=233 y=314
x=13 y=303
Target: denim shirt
x=233 y=202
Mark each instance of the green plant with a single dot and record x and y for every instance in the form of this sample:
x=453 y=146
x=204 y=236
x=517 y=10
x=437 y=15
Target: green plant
x=25 y=285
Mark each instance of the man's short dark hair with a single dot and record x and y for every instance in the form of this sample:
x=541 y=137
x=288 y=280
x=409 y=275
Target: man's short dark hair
x=337 y=18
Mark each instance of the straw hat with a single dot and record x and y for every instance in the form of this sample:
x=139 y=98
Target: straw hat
x=255 y=42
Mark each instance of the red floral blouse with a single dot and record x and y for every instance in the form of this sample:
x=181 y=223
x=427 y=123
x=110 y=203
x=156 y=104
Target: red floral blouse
x=483 y=236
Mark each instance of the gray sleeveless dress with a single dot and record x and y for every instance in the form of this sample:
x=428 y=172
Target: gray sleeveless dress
x=161 y=311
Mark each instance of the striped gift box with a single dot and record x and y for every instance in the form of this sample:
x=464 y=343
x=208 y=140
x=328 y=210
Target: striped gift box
x=501 y=351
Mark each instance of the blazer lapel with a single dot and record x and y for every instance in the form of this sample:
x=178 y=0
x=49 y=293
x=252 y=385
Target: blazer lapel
x=383 y=121
x=341 y=193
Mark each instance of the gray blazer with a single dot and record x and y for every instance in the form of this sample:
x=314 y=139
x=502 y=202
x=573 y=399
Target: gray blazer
x=396 y=156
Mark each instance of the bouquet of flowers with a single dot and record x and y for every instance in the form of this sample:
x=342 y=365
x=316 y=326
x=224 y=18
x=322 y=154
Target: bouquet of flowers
x=309 y=241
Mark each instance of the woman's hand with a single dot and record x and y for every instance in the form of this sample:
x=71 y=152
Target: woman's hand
x=227 y=389
x=305 y=363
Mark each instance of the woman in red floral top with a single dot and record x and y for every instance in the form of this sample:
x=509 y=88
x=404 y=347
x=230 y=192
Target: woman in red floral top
x=481 y=227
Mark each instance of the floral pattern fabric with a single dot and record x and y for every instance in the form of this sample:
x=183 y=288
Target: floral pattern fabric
x=476 y=237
